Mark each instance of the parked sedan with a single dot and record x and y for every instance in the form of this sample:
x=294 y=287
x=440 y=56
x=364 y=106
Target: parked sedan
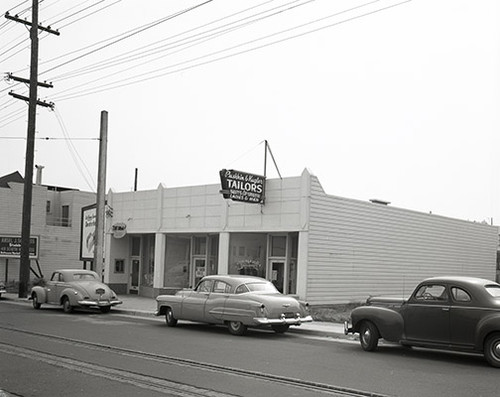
x=453 y=313
x=238 y=302
x=74 y=288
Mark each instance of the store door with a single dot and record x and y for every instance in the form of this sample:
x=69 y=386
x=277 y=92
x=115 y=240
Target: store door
x=134 y=276
x=200 y=270
x=278 y=274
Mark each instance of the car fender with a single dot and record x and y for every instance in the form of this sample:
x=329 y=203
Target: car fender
x=174 y=302
x=41 y=294
x=486 y=326
x=242 y=309
x=389 y=322
x=73 y=295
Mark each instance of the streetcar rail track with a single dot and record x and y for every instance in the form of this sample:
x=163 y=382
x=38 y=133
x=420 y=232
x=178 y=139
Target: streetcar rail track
x=156 y=383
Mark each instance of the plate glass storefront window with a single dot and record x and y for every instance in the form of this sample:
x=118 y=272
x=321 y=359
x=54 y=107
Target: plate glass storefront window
x=247 y=254
x=177 y=262
x=149 y=261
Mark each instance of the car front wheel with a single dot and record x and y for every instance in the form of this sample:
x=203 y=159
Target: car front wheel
x=105 y=309
x=36 y=303
x=492 y=349
x=169 y=318
x=236 y=328
x=368 y=336
x=67 y=308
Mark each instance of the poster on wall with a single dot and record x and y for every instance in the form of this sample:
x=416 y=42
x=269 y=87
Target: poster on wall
x=87 y=235
x=10 y=247
x=242 y=186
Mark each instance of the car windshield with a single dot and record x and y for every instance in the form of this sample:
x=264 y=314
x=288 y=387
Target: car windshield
x=494 y=290
x=261 y=287
x=83 y=276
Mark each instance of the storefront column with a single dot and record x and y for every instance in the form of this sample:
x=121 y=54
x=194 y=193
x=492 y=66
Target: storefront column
x=302 y=265
x=223 y=264
x=159 y=272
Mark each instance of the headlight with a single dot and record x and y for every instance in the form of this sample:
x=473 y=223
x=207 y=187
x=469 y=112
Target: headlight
x=262 y=309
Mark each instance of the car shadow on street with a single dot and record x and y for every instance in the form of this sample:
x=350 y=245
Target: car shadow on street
x=192 y=327
x=442 y=356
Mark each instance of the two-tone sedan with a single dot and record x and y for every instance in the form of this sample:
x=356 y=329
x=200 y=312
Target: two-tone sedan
x=452 y=313
x=238 y=302
x=73 y=288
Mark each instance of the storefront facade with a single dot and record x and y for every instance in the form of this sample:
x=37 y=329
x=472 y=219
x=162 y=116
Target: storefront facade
x=319 y=247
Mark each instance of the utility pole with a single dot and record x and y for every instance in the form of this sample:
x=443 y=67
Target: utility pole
x=101 y=200
x=24 y=268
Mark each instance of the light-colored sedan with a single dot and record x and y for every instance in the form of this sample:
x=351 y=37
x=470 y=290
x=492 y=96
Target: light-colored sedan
x=236 y=301
x=73 y=288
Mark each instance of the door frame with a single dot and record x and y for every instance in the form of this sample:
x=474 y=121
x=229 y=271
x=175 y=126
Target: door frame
x=131 y=287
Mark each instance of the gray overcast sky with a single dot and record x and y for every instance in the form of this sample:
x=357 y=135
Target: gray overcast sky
x=380 y=99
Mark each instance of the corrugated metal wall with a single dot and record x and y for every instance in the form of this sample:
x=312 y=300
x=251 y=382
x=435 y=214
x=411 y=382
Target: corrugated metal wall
x=358 y=248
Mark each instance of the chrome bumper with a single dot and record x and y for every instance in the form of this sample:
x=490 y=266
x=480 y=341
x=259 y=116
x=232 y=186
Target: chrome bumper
x=347 y=329
x=282 y=320
x=88 y=302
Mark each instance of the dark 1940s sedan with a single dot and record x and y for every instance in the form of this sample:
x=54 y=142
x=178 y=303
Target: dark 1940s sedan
x=453 y=313
x=236 y=301
x=74 y=288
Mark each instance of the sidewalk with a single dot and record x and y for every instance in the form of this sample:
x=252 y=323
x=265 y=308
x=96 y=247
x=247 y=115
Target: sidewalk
x=145 y=307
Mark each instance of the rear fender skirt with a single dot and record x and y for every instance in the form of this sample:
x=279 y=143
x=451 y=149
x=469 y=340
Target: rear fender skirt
x=389 y=322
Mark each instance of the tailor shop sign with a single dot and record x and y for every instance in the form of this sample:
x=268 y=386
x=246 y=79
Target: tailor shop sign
x=10 y=247
x=241 y=186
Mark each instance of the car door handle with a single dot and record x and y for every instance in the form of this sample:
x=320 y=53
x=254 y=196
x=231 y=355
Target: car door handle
x=445 y=309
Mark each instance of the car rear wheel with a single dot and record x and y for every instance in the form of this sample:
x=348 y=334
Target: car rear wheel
x=36 y=303
x=67 y=308
x=236 y=328
x=280 y=329
x=368 y=336
x=492 y=349
x=169 y=318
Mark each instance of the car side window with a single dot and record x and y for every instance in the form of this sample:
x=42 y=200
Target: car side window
x=241 y=289
x=221 y=287
x=432 y=293
x=460 y=295
x=205 y=286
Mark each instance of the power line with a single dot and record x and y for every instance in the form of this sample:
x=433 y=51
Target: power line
x=133 y=33
x=180 y=68
x=182 y=44
x=77 y=159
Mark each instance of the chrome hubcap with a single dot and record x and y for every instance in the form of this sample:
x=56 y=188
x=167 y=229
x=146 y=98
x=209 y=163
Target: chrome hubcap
x=496 y=349
x=366 y=335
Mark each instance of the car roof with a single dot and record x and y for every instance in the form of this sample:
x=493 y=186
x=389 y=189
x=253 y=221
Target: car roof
x=460 y=280
x=236 y=278
x=72 y=271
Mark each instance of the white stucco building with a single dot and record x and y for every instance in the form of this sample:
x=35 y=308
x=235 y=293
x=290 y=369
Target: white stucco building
x=323 y=248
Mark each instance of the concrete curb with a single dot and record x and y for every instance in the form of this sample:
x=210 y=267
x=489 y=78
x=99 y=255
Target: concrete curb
x=316 y=328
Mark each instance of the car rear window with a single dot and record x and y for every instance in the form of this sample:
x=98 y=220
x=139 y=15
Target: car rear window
x=261 y=287
x=86 y=276
x=494 y=290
